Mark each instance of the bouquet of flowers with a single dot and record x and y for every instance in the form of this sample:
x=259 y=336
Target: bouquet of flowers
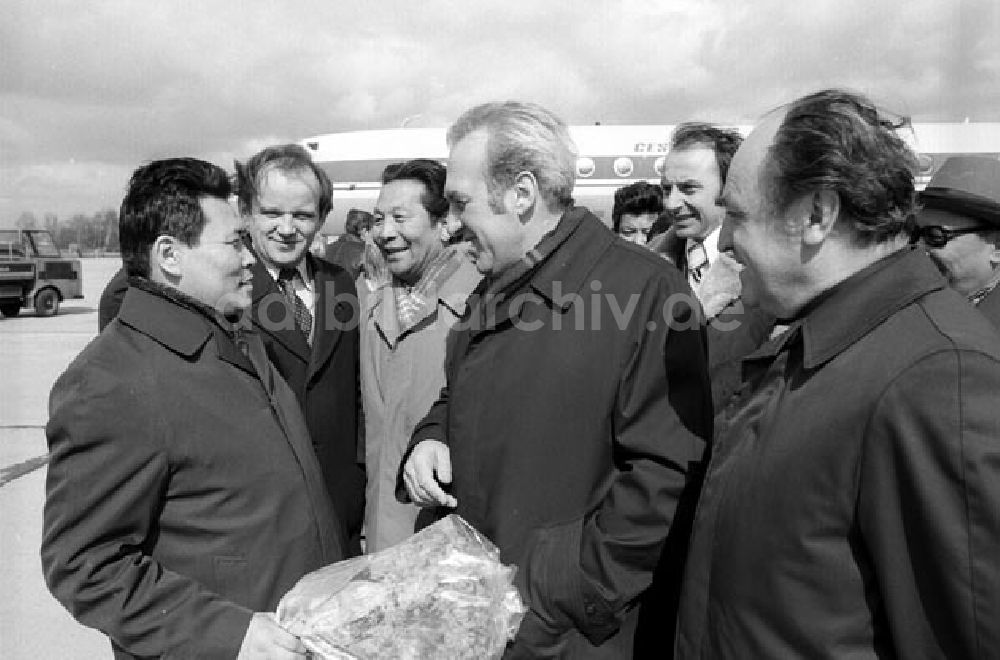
x=441 y=593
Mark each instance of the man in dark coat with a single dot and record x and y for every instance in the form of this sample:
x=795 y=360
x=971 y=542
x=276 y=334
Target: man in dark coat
x=182 y=498
x=307 y=313
x=960 y=227
x=851 y=506
x=577 y=396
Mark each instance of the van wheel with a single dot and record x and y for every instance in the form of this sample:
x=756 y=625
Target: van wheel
x=10 y=309
x=46 y=303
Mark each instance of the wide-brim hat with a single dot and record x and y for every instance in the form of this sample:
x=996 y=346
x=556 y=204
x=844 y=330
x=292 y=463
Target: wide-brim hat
x=966 y=186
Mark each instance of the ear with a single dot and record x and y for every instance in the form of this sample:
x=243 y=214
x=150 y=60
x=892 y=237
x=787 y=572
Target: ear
x=823 y=209
x=165 y=257
x=525 y=192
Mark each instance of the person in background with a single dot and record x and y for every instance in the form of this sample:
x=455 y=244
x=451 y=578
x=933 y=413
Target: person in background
x=568 y=428
x=636 y=208
x=404 y=326
x=306 y=311
x=851 y=506
x=960 y=227
x=183 y=498
x=348 y=250
x=694 y=173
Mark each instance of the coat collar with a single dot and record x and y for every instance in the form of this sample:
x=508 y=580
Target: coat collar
x=267 y=298
x=580 y=238
x=556 y=269
x=853 y=308
x=452 y=293
x=182 y=330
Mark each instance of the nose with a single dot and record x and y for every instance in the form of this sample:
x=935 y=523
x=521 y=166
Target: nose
x=285 y=224
x=673 y=201
x=385 y=232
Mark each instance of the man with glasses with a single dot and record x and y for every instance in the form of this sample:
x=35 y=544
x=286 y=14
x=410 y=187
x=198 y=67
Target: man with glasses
x=960 y=227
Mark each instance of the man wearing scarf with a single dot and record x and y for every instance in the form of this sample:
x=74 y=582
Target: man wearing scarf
x=405 y=323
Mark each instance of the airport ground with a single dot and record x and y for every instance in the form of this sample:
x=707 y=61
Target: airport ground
x=33 y=352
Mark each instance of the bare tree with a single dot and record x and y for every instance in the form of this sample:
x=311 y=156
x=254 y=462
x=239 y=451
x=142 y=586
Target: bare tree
x=27 y=220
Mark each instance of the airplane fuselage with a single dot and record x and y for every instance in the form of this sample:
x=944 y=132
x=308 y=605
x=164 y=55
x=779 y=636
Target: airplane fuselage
x=609 y=157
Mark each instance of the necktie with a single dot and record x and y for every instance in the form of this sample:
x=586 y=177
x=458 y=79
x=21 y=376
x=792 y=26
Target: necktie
x=286 y=282
x=697 y=260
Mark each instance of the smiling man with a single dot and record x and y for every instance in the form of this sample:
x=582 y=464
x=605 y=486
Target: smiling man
x=183 y=498
x=851 y=506
x=306 y=311
x=694 y=172
x=577 y=395
x=405 y=324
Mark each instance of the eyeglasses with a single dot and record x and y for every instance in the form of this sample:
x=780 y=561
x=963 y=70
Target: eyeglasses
x=237 y=244
x=936 y=236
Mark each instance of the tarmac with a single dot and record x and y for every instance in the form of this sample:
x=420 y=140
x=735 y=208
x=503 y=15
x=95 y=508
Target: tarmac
x=33 y=352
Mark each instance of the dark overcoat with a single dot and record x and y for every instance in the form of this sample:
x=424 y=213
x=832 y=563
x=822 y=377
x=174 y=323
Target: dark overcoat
x=323 y=376
x=990 y=306
x=574 y=410
x=851 y=507
x=182 y=493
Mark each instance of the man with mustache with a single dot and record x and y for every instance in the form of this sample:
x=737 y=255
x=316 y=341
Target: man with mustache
x=183 y=498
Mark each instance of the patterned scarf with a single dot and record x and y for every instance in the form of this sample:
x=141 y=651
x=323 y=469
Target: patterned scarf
x=413 y=303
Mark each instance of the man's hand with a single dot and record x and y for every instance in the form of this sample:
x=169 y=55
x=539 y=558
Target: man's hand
x=266 y=640
x=429 y=459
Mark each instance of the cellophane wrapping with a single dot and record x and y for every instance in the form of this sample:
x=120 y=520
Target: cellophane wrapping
x=442 y=593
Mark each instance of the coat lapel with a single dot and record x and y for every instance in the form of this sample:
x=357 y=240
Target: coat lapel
x=332 y=317
x=273 y=314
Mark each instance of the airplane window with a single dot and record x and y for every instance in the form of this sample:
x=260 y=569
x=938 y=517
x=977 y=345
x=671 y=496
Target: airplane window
x=623 y=166
x=658 y=165
x=585 y=166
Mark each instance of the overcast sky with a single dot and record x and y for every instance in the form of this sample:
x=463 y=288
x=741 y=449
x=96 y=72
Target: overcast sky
x=90 y=90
